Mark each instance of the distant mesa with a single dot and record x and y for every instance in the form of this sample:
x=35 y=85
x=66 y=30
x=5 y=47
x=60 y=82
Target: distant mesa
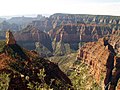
x=10 y=38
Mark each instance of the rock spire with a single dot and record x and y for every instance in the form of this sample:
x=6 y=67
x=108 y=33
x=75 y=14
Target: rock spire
x=10 y=38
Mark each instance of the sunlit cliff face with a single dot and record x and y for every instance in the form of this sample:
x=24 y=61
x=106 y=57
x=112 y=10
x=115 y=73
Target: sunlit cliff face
x=10 y=38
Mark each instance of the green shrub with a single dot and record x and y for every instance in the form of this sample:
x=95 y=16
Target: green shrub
x=37 y=85
x=82 y=79
x=4 y=81
x=2 y=44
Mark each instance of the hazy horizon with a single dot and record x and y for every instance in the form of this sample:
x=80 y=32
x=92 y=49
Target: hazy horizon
x=49 y=7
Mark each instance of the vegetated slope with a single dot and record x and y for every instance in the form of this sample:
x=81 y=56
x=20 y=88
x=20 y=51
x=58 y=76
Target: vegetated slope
x=98 y=56
x=65 y=62
x=77 y=71
x=21 y=69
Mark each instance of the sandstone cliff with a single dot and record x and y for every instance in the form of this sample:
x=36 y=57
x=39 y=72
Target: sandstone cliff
x=115 y=41
x=98 y=56
x=76 y=35
x=10 y=38
x=69 y=29
x=59 y=19
x=80 y=32
x=28 y=36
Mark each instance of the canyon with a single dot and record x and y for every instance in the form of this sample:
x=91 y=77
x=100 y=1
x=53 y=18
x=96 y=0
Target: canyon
x=61 y=36
x=58 y=29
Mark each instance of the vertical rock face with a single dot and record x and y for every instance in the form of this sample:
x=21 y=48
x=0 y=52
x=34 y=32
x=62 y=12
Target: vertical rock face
x=28 y=36
x=10 y=38
x=73 y=34
x=95 y=54
x=98 y=55
x=115 y=41
x=88 y=32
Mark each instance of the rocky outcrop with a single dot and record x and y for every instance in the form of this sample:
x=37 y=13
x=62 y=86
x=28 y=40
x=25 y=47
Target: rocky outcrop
x=115 y=41
x=100 y=56
x=10 y=38
x=23 y=68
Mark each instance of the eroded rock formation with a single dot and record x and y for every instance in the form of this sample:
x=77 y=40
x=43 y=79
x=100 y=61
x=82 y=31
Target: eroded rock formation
x=21 y=67
x=73 y=32
x=100 y=56
x=10 y=38
x=30 y=35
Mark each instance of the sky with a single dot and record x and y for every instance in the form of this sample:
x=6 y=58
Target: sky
x=28 y=7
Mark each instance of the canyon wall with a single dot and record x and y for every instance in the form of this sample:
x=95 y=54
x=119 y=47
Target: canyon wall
x=28 y=36
x=98 y=56
x=75 y=35
x=71 y=30
x=80 y=32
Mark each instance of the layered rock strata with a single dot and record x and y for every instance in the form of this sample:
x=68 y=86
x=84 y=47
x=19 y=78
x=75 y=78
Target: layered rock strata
x=100 y=56
x=30 y=35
